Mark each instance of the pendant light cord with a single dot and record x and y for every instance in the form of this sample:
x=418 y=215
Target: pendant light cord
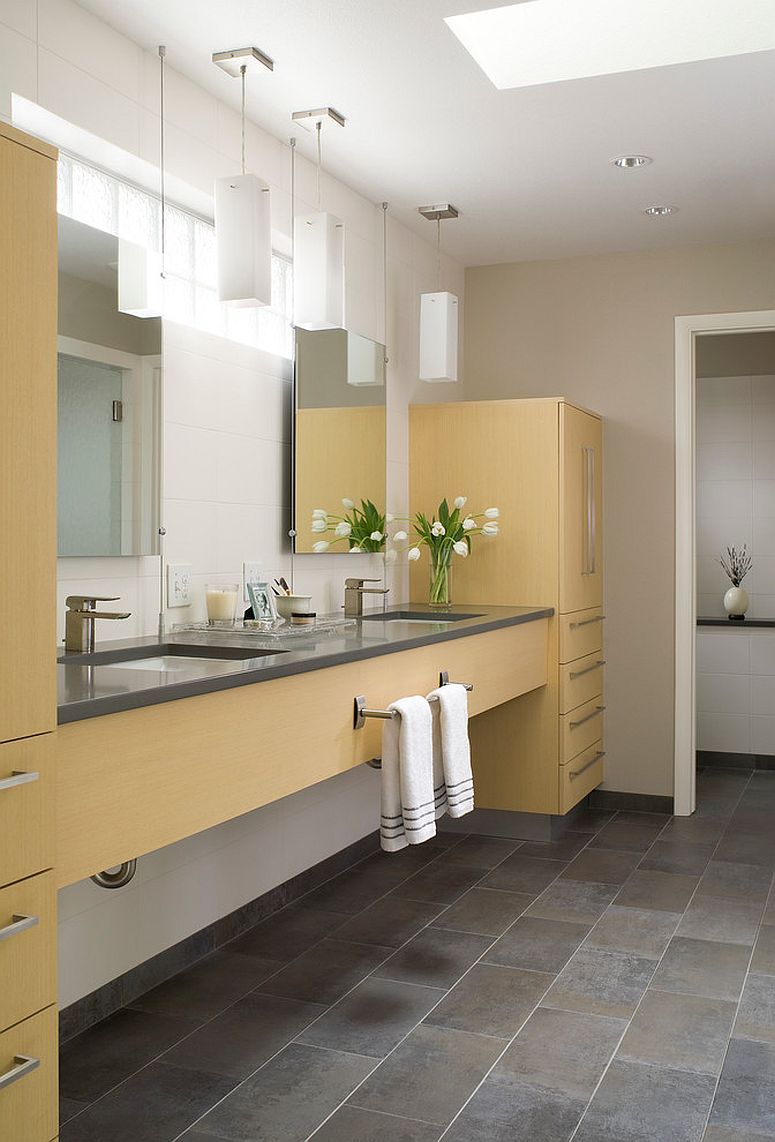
x=162 y=185
x=318 y=128
x=438 y=255
x=243 y=73
x=385 y=279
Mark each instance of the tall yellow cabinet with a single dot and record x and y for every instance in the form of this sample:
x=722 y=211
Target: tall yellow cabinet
x=28 y=263
x=540 y=462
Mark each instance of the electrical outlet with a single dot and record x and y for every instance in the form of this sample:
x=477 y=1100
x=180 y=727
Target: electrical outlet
x=251 y=573
x=178 y=584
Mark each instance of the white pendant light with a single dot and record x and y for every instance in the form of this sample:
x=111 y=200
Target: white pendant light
x=140 y=283
x=243 y=222
x=318 y=247
x=438 y=314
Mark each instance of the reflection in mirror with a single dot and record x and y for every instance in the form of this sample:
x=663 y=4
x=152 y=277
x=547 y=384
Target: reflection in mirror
x=109 y=384
x=339 y=450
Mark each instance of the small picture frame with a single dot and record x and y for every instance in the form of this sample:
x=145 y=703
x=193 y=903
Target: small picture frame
x=262 y=602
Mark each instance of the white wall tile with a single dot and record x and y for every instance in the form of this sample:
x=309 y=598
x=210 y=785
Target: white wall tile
x=90 y=103
x=725 y=497
x=764 y=499
x=190 y=463
x=764 y=460
x=722 y=422
x=764 y=536
x=761 y=578
x=762 y=694
x=724 y=733
x=92 y=46
x=723 y=694
x=710 y=605
x=21 y=15
x=718 y=531
x=18 y=66
x=762 y=606
x=763 y=735
x=725 y=461
x=764 y=422
x=763 y=389
x=729 y=391
x=723 y=652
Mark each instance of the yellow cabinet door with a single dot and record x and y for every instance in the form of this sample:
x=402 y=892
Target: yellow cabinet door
x=27 y=947
x=28 y=1079
x=581 y=510
x=28 y=407
x=26 y=808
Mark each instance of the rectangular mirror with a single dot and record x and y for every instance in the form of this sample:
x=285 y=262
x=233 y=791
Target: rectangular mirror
x=109 y=393
x=340 y=449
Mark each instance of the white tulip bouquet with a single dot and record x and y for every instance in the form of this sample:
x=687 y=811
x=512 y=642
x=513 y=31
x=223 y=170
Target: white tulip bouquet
x=447 y=533
x=362 y=528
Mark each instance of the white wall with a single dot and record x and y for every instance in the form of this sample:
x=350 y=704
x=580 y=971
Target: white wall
x=736 y=690
x=58 y=55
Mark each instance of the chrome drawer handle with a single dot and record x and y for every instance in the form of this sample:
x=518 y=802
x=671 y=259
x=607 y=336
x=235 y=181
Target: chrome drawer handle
x=578 y=772
x=20 y=924
x=597 y=710
x=586 y=622
x=18 y=777
x=580 y=673
x=23 y=1065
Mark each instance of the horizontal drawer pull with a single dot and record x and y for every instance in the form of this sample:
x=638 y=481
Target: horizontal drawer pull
x=597 y=710
x=588 y=670
x=19 y=924
x=587 y=622
x=574 y=773
x=18 y=777
x=23 y=1065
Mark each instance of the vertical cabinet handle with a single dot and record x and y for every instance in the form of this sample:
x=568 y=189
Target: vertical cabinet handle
x=23 y=1065
x=17 y=925
x=18 y=777
x=589 y=557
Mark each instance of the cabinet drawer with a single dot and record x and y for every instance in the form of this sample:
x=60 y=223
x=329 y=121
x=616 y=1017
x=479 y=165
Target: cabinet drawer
x=580 y=729
x=580 y=681
x=27 y=948
x=28 y=1092
x=580 y=776
x=581 y=633
x=26 y=807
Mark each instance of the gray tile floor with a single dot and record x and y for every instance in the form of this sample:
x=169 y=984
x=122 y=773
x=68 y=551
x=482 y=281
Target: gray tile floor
x=617 y=985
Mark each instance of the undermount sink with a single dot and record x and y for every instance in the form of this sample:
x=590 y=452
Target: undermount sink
x=418 y=617
x=165 y=656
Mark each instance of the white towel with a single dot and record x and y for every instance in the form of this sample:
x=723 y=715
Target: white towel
x=407 y=809
x=452 y=776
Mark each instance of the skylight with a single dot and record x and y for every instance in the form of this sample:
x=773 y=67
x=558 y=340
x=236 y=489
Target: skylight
x=548 y=41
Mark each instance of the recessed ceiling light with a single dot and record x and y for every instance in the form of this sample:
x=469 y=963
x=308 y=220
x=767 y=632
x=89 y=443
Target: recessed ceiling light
x=630 y=162
x=660 y=211
x=549 y=41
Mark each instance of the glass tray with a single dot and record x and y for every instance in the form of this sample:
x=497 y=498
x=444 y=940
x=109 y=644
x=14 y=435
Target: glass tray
x=253 y=628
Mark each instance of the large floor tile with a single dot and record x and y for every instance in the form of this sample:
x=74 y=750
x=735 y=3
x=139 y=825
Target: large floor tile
x=482 y=852
x=661 y=891
x=241 y=1040
x=537 y=944
x=289 y=1097
x=356 y=889
x=601 y=983
x=756 y=1017
x=703 y=967
x=626 y=837
x=745 y=1099
x=591 y=821
x=430 y=1075
x=326 y=972
x=729 y=881
x=564 y=1052
x=635 y=1103
x=566 y=848
x=715 y=918
x=435 y=958
x=694 y=830
x=748 y=848
x=288 y=933
x=373 y=1018
x=390 y=922
x=577 y=901
x=207 y=988
x=520 y=1113
x=635 y=930
x=68 y=1108
x=491 y=1000
x=520 y=873
x=674 y=855
x=682 y=1032
x=764 y=952
x=102 y=1057
x=602 y=866
x=484 y=911
x=155 y=1105
x=440 y=882
x=350 y=1124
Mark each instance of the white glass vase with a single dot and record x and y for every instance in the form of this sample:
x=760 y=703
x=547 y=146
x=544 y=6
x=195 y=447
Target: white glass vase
x=736 y=602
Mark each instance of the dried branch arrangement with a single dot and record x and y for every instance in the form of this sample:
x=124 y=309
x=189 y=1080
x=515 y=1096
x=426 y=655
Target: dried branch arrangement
x=736 y=563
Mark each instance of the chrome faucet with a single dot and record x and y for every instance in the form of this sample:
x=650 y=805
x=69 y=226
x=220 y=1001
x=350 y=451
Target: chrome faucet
x=79 y=620
x=354 y=591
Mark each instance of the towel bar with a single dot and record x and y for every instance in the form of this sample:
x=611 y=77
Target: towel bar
x=361 y=713
x=444 y=681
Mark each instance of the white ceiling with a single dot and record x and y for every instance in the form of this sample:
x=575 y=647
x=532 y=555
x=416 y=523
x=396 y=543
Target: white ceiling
x=528 y=168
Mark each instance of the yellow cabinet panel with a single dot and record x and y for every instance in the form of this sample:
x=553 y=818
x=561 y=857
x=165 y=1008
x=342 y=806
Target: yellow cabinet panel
x=580 y=681
x=27 y=948
x=580 y=728
x=581 y=633
x=28 y=1106
x=581 y=510
x=580 y=776
x=26 y=807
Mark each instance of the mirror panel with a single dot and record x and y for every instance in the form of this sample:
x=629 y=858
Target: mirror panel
x=109 y=393
x=340 y=424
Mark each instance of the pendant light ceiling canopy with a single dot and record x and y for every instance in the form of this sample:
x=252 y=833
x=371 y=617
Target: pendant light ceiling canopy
x=438 y=313
x=243 y=221
x=318 y=244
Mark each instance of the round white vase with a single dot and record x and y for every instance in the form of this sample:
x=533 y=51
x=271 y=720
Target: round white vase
x=736 y=602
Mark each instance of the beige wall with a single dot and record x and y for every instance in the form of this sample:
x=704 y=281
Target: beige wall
x=600 y=331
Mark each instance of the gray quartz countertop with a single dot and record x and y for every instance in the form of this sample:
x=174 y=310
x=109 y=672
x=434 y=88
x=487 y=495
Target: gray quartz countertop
x=115 y=679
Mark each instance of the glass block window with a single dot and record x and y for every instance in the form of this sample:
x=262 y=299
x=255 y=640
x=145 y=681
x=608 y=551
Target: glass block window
x=106 y=202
